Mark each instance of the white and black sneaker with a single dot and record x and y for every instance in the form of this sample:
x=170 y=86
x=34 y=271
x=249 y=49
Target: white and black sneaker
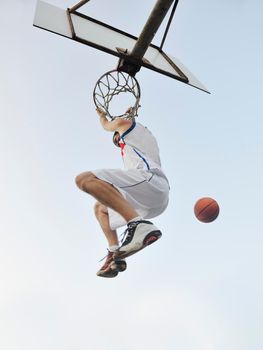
x=138 y=235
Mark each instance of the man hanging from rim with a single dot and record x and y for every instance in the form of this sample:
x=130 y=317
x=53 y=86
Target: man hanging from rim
x=128 y=196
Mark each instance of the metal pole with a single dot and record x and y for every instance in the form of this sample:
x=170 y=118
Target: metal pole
x=169 y=23
x=153 y=23
x=78 y=5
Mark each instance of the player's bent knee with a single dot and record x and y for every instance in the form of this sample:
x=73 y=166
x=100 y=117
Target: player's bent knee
x=83 y=180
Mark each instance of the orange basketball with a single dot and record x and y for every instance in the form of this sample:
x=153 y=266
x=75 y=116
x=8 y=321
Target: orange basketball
x=206 y=209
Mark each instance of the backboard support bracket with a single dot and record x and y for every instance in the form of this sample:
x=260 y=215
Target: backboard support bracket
x=73 y=33
x=129 y=64
x=78 y=5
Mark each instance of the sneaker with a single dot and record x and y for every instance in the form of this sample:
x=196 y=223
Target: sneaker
x=138 y=235
x=112 y=266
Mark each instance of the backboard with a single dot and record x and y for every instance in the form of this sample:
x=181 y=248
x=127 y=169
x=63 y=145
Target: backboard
x=89 y=31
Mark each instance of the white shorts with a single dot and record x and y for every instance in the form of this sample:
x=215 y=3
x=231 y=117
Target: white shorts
x=146 y=191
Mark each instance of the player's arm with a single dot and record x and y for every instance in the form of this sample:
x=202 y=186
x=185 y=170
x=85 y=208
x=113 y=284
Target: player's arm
x=117 y=124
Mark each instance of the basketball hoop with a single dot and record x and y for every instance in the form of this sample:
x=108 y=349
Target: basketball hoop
x=111 y=85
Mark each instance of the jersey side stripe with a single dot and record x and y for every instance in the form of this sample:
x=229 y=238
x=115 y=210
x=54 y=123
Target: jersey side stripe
x=145 y=161
x=129 y=130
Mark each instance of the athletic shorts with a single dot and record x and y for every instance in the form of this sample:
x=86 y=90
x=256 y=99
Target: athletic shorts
x=146 y=190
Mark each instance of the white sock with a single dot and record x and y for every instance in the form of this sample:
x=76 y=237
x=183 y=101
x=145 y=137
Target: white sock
x=113 y=248
x=138 y=218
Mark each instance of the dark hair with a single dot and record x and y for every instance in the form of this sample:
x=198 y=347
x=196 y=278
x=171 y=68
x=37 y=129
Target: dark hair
x=113 y=138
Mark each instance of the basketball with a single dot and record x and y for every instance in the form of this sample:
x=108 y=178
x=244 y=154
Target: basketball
x=206 y=209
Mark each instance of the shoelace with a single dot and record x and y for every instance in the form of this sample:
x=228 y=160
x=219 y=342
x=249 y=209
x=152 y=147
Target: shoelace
x=105 y=257
x=127 y=234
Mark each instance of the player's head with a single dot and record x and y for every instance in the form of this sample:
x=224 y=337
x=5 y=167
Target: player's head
x=116 y=138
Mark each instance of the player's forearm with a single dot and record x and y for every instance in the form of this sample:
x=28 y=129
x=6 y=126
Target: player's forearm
x=105 y=123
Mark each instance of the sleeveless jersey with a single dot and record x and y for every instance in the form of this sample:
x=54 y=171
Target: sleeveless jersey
x=139 y=148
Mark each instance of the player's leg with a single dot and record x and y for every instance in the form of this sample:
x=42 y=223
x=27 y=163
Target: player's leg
x=110 y=268
x=106 y=194
x=101 y=213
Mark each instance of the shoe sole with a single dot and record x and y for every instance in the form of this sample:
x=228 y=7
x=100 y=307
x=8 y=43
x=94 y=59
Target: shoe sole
x=148 y=240
x=107 y=274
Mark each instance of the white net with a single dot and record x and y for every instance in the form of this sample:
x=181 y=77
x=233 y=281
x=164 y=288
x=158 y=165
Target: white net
x=115 y=92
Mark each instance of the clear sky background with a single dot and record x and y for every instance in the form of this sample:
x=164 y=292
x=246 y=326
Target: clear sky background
x=200 y=287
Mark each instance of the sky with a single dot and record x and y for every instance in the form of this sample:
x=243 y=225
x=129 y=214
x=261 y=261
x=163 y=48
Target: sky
x=200 y=287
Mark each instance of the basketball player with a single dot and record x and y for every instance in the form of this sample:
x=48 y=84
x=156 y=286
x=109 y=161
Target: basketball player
x=127 y=196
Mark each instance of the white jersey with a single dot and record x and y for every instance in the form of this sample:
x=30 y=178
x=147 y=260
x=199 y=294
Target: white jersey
x=142 y=183
x=139 y=148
